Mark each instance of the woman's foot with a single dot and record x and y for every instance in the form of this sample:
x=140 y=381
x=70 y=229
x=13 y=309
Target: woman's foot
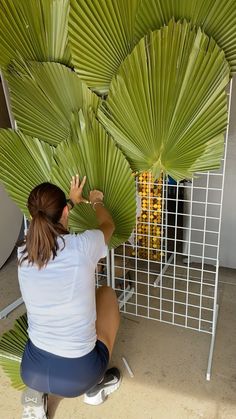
x=98 y=394
x=35 y=404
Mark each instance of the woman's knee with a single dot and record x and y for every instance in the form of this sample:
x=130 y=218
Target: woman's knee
x=105 y=289
x=107 y=302
x=108 y=316
x=106 y=292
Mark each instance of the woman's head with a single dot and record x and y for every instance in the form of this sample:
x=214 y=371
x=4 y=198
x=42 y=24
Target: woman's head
x=48 y=208
x=47 y=200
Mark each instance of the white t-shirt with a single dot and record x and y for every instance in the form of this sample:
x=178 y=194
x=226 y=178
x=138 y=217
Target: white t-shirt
x=60 y=298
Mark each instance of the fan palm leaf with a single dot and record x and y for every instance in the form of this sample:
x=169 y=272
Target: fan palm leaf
x=43 y=98
x=217 y=18
x=12 y=344
x=101 y=35
x=34 y=30
x=93 y=153
x=24 y=163
x=166 y=107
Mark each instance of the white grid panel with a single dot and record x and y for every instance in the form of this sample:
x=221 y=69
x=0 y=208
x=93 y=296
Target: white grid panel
x=174 y=279
x=168 y=270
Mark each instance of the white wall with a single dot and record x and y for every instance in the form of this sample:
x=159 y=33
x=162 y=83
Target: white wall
x=207 y=243
x=228 y=229
x=10 y=225
x=10 y=215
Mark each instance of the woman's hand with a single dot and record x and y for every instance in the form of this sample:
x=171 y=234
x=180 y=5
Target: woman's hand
x=76 y=190
x=95 y=196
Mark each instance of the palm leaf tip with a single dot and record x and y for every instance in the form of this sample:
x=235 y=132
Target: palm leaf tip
x=12 y=345
x=101 y=35
x=24 y=163
x=43 y=110
x=35 y=30
x=93 y=153
x=217 y=18
x=168 y=100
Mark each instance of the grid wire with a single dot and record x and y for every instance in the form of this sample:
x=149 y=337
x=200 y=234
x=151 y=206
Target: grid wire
x=168 y=269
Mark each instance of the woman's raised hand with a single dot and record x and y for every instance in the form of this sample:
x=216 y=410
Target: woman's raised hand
x=96 y=196
x=76 y=190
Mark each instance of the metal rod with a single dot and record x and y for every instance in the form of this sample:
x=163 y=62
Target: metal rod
x=166 y=266
x=212 y=345
x=112 y=269
x=108 y=268
x=10 y=308
x=125 y=296
x=216 y=306
x=127 y=367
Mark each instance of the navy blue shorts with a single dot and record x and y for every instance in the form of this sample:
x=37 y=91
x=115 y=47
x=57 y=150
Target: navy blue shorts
x=66 y=377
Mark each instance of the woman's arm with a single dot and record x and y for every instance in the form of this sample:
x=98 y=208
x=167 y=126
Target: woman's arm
x=105 y=221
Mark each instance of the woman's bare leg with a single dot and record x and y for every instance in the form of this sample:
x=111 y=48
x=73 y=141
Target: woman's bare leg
x=107 y=325
x=53 y=402
x=108 y=316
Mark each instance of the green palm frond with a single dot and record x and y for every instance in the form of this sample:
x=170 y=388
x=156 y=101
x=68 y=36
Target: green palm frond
x=217 y=18
x=44 y=96
x=101 y=35
x=167 y=105
x=24 y=163
x=12 y=344
x=35 y=30
x=93 y=153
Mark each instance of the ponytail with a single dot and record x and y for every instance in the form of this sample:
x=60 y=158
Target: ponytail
x=41 y=242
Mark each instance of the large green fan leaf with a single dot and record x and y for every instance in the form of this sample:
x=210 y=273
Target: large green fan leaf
x=93 y=153
x=35 y=30
x=12 y=345
x=217 y=18
x=24 y=163
x=101 y=35
x=44 y=96
x=167 y=105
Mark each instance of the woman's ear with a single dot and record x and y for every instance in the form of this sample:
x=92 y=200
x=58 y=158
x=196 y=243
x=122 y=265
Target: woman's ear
x=64 y=216
x=65 y=211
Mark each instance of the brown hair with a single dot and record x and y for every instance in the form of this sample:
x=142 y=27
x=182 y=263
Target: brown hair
x=45 y=203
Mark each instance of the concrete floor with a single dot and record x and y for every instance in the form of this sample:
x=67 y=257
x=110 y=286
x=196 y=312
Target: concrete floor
x=169 y=365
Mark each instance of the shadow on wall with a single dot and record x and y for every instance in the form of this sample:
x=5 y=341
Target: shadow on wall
x=228 y=228
x=10 y=215
x=4 y=117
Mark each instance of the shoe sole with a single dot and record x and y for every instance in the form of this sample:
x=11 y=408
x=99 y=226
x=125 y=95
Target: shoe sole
x=102 y=394
x=31 y=394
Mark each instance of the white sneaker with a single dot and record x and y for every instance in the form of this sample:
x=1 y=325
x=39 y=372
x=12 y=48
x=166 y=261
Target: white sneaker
x=100 y=391
x=35 y=404
x=34 y=412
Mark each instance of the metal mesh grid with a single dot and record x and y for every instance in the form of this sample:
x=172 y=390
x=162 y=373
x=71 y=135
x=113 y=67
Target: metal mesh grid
x=174 y=281
x=168 y=270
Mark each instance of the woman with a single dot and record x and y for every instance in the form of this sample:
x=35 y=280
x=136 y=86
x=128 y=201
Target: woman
x=71 y=331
